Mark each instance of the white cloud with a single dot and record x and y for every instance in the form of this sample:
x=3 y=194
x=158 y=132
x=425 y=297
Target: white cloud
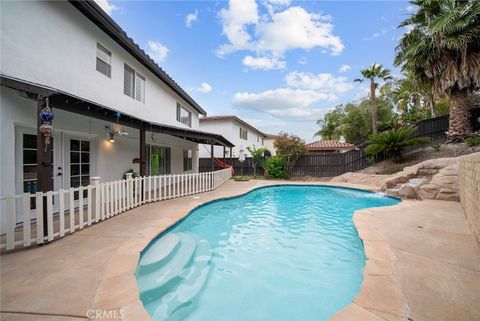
x=191 y=18
x=239 y=14
x=157 y=51
x=344 y=68
x=106 y=6
x=265 y=63
x=296 y=28
x=205 y=88
x=276 y=31
x=323 y=82
x=383 y=32
x=283 y=102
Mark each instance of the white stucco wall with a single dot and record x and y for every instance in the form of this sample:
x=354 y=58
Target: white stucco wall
x=230 y=129
x=53 y=44
x=268 y=144
x=110 y=160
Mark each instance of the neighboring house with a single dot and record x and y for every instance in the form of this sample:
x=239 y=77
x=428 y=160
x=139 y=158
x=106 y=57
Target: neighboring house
x=268 y=143
x=235 y=130
x=329 y=146
x=114 y=107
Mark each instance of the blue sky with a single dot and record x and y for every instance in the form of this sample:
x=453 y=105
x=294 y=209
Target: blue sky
x=277 y=64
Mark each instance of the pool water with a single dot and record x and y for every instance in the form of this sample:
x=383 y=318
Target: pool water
x=277 y=253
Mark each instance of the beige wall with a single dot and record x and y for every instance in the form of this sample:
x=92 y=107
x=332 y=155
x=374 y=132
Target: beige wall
x=470 y=190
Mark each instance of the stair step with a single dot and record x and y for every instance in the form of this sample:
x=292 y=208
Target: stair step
x=175 y=303
x=158 y=282
x=159 y=253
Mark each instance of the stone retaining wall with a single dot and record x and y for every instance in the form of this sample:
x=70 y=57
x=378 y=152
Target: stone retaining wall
x=470 y=191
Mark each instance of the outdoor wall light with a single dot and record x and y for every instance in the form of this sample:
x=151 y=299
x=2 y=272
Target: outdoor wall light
x=110 y=139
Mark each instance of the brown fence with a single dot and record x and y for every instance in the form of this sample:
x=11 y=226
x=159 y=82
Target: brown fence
x=334 y=164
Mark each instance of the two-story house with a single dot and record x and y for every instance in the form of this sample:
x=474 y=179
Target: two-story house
x=114 y=107
x=235 y=130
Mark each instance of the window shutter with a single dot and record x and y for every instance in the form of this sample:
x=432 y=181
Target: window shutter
x=129 y=81
x=139 y=88
x=104 y=60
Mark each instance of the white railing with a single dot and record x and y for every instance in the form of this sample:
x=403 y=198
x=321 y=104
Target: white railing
x=68 y=211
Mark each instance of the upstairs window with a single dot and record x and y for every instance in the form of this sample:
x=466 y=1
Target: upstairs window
x=104 y=60
x=184 y=116
x=187 y=160
x=243 y=133
x=133 y=84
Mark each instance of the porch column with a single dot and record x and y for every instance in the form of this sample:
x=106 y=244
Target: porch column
x=143 y=150
x=224 y=154
x=211 y=155
x=231 y=163
x=44 y=163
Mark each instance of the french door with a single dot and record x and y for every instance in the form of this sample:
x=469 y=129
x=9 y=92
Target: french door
x=71 y=167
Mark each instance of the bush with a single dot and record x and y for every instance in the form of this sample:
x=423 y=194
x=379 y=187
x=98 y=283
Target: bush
x=291 y=148
x=472 y=141
x=275 y=167
x=394 y=141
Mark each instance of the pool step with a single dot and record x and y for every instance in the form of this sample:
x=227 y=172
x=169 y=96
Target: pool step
x=156 y=283
x=177 y=303
x=159 y=253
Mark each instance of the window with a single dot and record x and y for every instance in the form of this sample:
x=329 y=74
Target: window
x=187 y=160
x=258 y=139
x=134 y=84
x=104 y=60
x=184 y=116
x=243 y=133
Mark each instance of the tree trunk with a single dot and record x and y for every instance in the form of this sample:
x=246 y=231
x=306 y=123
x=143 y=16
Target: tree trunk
x=459 y=123
x=373 y=106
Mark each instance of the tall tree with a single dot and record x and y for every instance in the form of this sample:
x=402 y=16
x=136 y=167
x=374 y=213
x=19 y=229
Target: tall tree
x=373 y=73
x=443 y=46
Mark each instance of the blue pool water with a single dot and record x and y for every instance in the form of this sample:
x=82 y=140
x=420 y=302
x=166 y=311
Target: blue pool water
x=278 y=253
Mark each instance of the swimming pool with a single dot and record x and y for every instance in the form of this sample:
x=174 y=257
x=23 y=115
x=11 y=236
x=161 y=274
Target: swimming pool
x=277 y=253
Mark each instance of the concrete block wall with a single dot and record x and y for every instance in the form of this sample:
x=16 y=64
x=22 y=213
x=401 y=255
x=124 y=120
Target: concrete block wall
x=470 y=191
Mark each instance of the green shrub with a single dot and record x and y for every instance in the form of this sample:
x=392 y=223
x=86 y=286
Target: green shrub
x=472 y=141
x=275 y=167
x=394 y=141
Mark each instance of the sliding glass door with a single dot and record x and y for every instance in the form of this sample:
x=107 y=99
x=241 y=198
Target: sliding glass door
x=158 y=160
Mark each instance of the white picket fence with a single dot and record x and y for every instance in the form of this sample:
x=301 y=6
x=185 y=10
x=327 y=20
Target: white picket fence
x=68 y=212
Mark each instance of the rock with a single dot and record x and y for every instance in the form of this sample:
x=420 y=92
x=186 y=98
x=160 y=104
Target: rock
x=361 y=178
x=407 y=192
x=441 y=180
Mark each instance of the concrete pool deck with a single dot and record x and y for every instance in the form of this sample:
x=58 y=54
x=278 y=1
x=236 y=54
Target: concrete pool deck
x=423 y=264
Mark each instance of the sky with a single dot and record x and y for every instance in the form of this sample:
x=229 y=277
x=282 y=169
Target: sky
x=278 y=64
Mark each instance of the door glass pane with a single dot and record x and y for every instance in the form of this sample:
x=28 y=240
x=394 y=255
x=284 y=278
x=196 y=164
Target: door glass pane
x=75 y=169
x=85 y=146
x=75 y=181
x=85 y=157
x=29 y=141
x=85 y=169
x=29 y=156
x=74 y=145
x=74 y=157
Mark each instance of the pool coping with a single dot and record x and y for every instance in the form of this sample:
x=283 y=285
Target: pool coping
x=135 y=310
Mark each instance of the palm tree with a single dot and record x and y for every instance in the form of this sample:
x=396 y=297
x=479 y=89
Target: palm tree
x=443 y=47
x=394 y=141
x=373 y=73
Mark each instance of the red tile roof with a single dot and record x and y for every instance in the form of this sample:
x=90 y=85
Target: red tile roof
x=329 y=145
